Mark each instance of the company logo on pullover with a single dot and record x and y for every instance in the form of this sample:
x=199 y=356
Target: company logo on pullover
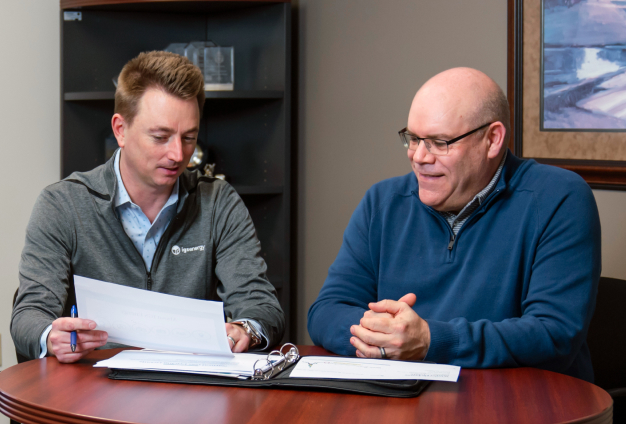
x=177 y=250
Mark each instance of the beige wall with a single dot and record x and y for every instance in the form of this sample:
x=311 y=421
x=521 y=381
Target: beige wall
x=29 y=118
x=612 y=208
x=360 y=63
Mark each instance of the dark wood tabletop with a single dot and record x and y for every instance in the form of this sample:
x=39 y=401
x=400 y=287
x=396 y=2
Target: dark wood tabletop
x=44 y=391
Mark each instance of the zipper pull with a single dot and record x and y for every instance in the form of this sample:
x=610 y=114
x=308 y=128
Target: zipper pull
x=451 y=244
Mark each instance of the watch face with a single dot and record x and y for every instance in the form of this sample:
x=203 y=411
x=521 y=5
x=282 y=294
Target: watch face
x=196 y=158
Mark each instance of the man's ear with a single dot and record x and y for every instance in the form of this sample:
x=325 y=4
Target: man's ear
x=119 y=126
x=496 y=134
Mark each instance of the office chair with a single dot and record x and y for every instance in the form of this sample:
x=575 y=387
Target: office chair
x=607 y=343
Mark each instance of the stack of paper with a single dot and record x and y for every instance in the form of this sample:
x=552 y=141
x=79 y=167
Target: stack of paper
x=240 y=365
x=372 y=369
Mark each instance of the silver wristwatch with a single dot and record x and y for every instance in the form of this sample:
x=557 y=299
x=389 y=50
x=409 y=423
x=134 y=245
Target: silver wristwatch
x=255 y=336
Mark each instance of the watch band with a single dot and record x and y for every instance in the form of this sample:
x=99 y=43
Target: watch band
x=255 y=336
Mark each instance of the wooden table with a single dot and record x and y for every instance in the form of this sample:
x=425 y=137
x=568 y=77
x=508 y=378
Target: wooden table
x=44 y=391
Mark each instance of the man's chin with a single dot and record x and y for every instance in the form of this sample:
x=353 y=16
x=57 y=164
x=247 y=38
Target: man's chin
x=166 y=179
x=432 y=199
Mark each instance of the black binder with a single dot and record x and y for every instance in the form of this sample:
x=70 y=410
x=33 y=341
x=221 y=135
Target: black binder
x=275 y=375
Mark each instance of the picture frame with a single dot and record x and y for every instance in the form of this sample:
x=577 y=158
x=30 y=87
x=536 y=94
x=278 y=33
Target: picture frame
x=598 y=155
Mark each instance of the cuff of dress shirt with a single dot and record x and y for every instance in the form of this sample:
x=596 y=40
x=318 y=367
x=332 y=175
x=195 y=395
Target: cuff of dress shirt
x=43 y=341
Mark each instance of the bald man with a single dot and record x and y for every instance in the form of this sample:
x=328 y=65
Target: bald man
x=475 y=258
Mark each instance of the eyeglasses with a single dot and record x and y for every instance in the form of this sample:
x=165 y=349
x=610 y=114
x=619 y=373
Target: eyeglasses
x=433 y=145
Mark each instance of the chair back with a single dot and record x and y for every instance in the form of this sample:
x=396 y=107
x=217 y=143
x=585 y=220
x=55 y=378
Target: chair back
x=607 y=334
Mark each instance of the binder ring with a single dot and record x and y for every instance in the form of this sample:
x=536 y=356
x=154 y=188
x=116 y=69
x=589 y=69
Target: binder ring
x=266 y=371
x=292 y=354
x=280 y=362
x=259 y=373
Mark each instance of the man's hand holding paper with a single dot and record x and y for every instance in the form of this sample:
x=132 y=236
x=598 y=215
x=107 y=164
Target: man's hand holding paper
x=88 y=338
x=141 y=318
x=137 y=320
x=239 y=336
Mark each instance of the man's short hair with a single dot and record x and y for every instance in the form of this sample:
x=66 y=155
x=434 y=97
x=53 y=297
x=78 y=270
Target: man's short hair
x=170 y=72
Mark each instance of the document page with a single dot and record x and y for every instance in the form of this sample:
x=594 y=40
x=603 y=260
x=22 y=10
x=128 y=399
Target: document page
x=148 y=319
x=372 y=369
x=239 y=365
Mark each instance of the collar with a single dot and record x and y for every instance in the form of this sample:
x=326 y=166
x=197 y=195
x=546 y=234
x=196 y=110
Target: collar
x=492 y=184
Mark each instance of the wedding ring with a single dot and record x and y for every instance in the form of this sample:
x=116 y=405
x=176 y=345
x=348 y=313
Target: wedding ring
x=383 y=355
x=232 y=340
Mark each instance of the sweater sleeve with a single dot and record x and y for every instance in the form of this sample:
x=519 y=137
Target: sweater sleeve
x=244 y=287
x=349 y=287
x=559 y=303
x=44 y=273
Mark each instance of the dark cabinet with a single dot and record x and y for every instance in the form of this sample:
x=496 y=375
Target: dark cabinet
x=247 y=132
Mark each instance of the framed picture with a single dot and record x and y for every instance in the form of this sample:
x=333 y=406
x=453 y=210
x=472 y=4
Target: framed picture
x=567 y=86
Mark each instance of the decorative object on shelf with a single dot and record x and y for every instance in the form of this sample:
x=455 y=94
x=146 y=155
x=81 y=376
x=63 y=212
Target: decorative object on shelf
x=209 y=170
x=216 y=62
x=198 y=159
x=195 y=52
x=178 y=48
x=219 y=68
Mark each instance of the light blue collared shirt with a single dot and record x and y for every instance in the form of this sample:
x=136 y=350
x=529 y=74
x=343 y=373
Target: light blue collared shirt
x=144 y=234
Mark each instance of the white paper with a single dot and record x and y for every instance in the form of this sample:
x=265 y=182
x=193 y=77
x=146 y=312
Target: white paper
x=239 y=365
x=153 y=320
x=372 y=369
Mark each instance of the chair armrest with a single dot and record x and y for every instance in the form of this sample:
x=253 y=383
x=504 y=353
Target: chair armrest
x=619 y=392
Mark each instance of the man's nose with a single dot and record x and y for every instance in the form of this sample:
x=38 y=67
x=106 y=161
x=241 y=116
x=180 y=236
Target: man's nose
x=422 y=155
x=175 y=149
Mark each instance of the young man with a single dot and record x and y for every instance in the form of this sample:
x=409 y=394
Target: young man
x=128 y=220
x=476 y=258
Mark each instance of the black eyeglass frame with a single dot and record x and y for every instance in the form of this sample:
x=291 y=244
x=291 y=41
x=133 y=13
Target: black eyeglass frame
x=403 y=133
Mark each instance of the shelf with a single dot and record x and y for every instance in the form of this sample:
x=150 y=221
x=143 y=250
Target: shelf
x=80 y=96
x=258 y=190
x=180 y=6
x=89 y=95
x=247 y=131
x=245 y=94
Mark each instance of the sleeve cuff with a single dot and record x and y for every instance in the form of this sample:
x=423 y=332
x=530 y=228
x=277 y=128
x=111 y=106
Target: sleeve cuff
x=43 y=341
x=444 y=342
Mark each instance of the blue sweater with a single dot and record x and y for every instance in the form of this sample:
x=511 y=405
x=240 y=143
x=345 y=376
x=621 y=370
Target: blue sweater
x=517 y=288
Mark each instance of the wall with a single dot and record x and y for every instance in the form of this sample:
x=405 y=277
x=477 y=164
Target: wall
x=29 y=118
x=361 y=62
x=612 y=208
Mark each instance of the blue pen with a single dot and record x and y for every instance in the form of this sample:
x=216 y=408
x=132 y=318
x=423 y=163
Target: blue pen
x=73 y=340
